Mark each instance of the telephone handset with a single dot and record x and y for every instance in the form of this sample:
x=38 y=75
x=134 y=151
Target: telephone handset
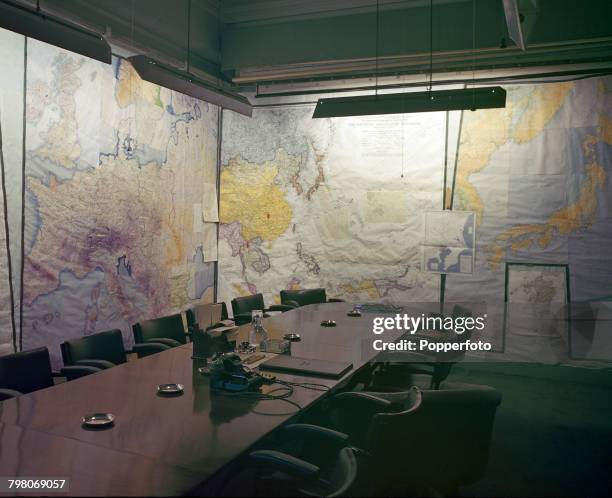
x=227 y=373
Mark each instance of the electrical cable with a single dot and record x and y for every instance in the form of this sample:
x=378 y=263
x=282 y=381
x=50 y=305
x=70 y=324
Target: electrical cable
x=188 y=36
x=269 y=396
x=376 y=75
x=8 y=241
x=305 y=385
x=430 y=44
x=23 y=194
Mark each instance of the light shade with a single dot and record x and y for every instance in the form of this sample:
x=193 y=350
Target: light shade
x=153 y=72
x=35 y=25
x=401 y=103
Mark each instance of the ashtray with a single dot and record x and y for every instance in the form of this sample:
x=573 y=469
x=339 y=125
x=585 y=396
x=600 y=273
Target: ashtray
x=170 y=388
x=354 y=313
x=328 y=323
x=293 y=337
x=98 y=420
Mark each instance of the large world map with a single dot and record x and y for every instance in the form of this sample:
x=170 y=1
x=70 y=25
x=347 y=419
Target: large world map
x=115 y=170
x=338 y=203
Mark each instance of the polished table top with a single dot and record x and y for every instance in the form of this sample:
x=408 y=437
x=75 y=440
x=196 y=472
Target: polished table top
x=189 y=437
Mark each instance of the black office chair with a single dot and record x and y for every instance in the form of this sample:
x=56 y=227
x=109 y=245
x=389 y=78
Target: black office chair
x=242 y=307
x=302 y=297
x=423 y=440
x=308 y=461
x=190 y=315
x=8 y=394
x=168 y=330
x=102 y=350
x=401 y=376
x=29 y=371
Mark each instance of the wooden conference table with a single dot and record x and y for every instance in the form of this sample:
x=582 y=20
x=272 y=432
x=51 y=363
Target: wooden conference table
x=165 y=446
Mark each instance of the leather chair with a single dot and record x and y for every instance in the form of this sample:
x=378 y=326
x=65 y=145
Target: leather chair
x=308 y=461
x=302 y=297
x=400 y=376
x=101 y=351
x=8 y=394
x=167 y=330
x=422 y=441
x=29 y=371
x=190 y=315
x=242 y=307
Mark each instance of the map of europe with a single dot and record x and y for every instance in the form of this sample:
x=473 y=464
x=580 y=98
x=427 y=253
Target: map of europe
x=113 y=169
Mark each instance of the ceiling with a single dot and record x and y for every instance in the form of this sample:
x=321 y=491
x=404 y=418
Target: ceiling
x=305 y=46
x=252 y=12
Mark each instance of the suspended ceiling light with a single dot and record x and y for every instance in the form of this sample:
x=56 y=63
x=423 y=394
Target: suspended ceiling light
x=35 y=24
x=153 y=72
x=402 y=103
x=185 y=82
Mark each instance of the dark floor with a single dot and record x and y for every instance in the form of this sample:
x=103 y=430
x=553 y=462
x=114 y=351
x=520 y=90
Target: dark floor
x=552 y=434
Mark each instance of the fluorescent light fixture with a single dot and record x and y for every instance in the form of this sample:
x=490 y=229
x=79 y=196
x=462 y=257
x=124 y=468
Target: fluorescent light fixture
x=37 y=25
x=401 y=103
x=182 y=82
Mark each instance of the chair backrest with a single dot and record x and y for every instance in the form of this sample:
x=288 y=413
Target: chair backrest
x=169 y=327
x=107 y=345
x=304 y=296
x=246 y=304
x=459 y=310
x=444 y=440
x=26 y=371
x=206 y=315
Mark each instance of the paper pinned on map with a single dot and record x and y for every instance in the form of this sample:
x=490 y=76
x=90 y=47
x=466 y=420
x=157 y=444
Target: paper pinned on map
x=449 y=242
x=209 y=243
x=197 y=218
x=210 y=211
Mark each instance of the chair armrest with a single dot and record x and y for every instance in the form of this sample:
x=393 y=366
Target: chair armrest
x=100 y=364
x=75 y=372
x=290 y=302
x=361 y=402
x=317 y=434
x=282 y=462
x=353 y=413
x=280 y=307
x=8 y=393
x=163 y=340
x=149 y=348
x=335 y=300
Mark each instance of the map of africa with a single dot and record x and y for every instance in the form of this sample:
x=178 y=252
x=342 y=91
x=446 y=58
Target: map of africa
x=115 y=173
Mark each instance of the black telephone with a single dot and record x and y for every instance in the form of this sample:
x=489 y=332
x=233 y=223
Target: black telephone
x=227 y=373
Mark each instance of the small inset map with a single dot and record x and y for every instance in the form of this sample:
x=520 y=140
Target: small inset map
x=448 y=246
x=541 y=284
